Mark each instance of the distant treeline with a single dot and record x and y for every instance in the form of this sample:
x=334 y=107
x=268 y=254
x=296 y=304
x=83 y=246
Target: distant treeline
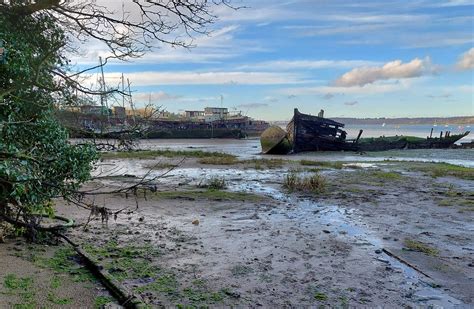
x=413 y=121
x=463 y=120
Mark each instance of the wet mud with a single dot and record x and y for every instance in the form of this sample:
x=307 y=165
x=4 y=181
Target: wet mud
x=346 y=247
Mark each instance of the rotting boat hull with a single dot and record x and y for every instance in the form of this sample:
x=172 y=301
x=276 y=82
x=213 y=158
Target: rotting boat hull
x=313 y=133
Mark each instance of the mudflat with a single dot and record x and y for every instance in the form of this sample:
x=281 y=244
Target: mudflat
x=274 y=233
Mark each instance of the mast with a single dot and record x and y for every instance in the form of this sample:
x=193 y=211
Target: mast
x=131 y=101
x=103 y=98
x=123 y=92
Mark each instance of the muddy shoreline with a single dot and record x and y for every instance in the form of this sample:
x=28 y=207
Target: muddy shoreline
x=272 y=248
x=382 y=233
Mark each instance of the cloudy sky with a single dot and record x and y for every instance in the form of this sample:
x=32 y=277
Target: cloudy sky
x=367 y=58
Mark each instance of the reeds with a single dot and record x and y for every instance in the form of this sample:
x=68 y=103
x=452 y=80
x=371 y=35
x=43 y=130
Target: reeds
x=314 y=183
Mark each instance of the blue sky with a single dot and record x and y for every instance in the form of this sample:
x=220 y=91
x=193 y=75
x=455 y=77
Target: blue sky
x=350 y=58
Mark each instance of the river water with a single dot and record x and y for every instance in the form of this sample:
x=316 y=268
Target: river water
x=250 y=148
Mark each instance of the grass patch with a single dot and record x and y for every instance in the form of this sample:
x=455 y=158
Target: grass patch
x=453 y=197
x=126 y=268
x=151 y=154
x=415 y=245
x=213 y=195
x=383 y=175
x=101 y=301
x=12 y=282
x=314 y=183
x=229 y=160
x=58 y=300
x=371 y=177
x=260 y=164
x=64 y=261
x=197 y=296
x=125 y=262
x=21 y=287
x=442 y=170
x=55 y=282
x=327 y=164
x=214 y=183
x=163 y=284
x=319 y=296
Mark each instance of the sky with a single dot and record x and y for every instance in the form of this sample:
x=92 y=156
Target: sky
x=367 y=58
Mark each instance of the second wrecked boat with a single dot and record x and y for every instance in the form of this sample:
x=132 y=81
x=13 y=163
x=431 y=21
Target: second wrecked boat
x=316 y=133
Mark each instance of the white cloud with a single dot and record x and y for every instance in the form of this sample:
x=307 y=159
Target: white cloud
x=445 y=3
x=270 y=99
x=466 y=88
x=351 y=103
x=252 y=105
x=436 y=40
x=306 y=64
x=466 y=61
x=155 y=96
x=368 y=89
x=391 y=70
x=215 y=47
x=155 y=78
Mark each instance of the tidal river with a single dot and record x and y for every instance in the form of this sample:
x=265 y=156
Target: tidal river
x=250 y=148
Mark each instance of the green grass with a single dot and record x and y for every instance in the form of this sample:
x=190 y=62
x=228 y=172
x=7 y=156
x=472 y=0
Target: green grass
x=126 y=268
x=444 y=169
x=63 y=261
x=320 y=296
x=125 y=261
x=260 y=164
x=102 y=300
x=314 y=183
x=57 y=300
x=214 y=183
x=453 y=197
x=218 y=160
x=415 y=245
x=163 y=284
x=384 y=175
x=128 y=262
x=55 y=282
x=21 y=287
x=212 y=195
x=151 y=154
x=328 y=164
x=12 y=282
x=197 y=296
x=371 y=177
x=112 y=249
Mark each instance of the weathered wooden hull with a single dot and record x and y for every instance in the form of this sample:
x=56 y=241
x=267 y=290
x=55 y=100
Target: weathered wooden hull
x=409 y=142
x=274 y=140
x=313 y=133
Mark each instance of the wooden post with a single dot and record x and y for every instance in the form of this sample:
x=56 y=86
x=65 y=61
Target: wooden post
x=358 y=136
x=431 y=133
x=441 y=134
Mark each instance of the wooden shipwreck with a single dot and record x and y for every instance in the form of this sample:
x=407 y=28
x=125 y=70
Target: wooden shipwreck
x=316 y=133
